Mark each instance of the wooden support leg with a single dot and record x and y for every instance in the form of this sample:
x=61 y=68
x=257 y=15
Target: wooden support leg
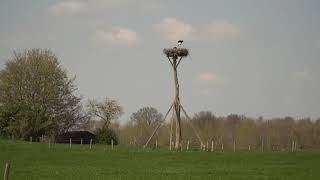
x=193 y=128
x=156 y=129
x=6 y=171
x=171 y=131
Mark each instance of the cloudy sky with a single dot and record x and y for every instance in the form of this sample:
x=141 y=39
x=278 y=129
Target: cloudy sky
x=251 y=57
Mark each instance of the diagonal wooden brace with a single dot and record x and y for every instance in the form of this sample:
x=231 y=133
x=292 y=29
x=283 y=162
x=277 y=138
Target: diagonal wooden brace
x=193 y=128
x=159 y=125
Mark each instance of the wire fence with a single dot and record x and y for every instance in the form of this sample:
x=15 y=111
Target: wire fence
x=209 y=146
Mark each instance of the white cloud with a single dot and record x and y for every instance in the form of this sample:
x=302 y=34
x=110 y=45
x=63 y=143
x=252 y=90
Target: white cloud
x=220 y=30
x=68 y=7
x=300 y=75
x=117 y=36
x=209 y=77
x=173 y=29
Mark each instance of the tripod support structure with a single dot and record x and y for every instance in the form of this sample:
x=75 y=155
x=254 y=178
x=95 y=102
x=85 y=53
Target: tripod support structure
x=176 y=108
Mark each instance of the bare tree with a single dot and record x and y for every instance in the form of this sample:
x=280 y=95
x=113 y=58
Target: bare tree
x=106 y=111
x=148 y=114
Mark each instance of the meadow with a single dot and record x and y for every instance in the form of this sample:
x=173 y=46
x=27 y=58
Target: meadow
x=38 y=161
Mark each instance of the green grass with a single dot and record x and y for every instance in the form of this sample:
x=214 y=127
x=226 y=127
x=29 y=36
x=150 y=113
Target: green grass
x=37 y=161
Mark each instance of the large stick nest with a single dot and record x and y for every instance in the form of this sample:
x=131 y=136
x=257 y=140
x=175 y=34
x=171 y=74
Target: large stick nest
x=176 y=52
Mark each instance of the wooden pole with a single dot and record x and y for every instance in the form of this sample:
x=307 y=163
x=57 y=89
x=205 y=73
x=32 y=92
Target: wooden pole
x=212 y=146
x=249 y=147
x=90 y=143
x=171 y=130
x=156 y=129
x=111 y=144
x=188 y=145
x=193 y=128
x=31 y=140
x=234 y=146
x=6 y=172
x=262 y=148
x=156 y=144
x=70 y=142
x=222 y=146
x=81 y=141
x=177 y=107
x=292 y=146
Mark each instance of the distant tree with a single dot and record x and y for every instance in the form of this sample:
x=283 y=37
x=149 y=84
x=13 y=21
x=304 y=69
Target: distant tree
x=207 y=125
x=142 y=124
x=231 y=124
x=149 y=115
x=201 y=118
x=247 y=133
x=105 y=111
x=36 y=96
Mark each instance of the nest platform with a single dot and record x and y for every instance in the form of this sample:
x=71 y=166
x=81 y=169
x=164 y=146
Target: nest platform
x=176 y=52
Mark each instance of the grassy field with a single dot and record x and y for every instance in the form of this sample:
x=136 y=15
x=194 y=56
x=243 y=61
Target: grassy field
x=37 y=161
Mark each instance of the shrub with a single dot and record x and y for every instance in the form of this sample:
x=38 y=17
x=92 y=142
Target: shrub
x=105 y=135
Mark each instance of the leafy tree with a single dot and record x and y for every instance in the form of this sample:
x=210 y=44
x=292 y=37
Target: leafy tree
x=149 y=115
x=105 y=136
x=106 y=111
x=36 y=96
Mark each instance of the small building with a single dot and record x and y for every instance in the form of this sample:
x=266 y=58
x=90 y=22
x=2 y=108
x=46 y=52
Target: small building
x=75 y=137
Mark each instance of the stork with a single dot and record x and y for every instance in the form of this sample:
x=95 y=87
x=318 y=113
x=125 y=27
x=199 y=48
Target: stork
x=180 y=42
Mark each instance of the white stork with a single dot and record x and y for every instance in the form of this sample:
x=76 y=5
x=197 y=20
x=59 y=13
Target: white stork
x=180 y=42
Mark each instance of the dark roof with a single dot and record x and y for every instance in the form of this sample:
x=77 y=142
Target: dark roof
x=75 y=137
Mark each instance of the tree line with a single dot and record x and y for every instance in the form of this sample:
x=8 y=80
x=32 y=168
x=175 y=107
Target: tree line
x=37 y=98
x=276 y=133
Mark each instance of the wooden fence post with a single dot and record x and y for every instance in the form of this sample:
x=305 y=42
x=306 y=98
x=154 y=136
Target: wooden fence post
x=31 y=140
x=222 y=146
x=70 y=142
x=212 y=146
x=90 y=143
x=292 y=146
x=156 y=144
x=234 y=146
x=6 y=172
x=188 y=145
x=249 y=147
x=81 y=141
x=262 y=143
x=111 y=144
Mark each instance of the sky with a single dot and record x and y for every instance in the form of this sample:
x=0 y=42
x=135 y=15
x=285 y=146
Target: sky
x=249 y=57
